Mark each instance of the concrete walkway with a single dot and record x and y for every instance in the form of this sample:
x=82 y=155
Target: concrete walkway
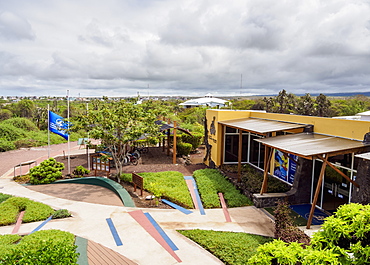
x=89 y=221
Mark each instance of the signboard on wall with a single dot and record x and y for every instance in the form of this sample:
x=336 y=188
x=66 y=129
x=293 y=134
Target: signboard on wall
x=285 y=166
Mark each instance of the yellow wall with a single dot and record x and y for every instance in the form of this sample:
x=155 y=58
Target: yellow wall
x=351 y=129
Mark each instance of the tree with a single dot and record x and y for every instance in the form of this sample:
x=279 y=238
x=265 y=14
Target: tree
x=305 y=105
x=119 y=124
x=25 y=108
x=323 y=106
x=5 y=114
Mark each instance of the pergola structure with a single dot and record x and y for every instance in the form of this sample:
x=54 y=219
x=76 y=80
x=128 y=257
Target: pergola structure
x=311 y=146
x=262 y=127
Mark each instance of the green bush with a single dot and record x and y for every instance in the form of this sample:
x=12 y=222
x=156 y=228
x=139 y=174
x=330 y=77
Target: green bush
x=41 y=247
x=48 y=171
x=34 y=211
x=22 y=123
x=210 y=182
x=229 y=247
x=195 y=139
x=62 y=213
x=4 y=197
x=6 y=145
x=344 y=238
x=11 y=133
x=170 y=184
x=80 y=171
x=183 y=149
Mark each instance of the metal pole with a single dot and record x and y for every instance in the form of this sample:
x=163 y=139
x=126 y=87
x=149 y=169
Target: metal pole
x=69 y=158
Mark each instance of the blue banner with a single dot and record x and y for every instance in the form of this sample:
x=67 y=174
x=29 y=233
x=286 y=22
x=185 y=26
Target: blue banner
x=58 y=125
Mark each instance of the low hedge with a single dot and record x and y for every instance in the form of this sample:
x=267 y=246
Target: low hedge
x=210 y=182
x=229 y=247
x=41 y=247
x=35 y=211
x=170 y=184
x=183 y=149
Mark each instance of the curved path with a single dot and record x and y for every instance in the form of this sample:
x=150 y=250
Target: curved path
x=89 y=221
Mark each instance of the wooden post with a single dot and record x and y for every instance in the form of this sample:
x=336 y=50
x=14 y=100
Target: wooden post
x=174 y=143
x=268 y=155
x=168 y=138
x=240 y=155
x=309 y=221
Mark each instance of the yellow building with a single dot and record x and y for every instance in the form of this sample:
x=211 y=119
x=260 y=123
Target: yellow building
x=315 y=155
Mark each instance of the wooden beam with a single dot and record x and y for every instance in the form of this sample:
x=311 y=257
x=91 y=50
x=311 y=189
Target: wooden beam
x=268 y=155
x=318 y=187
x=168 y=138
x=240 y=155
x=174 y=143
x=339 y=172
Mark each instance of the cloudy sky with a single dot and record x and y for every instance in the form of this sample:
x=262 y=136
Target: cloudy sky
x=187 y=47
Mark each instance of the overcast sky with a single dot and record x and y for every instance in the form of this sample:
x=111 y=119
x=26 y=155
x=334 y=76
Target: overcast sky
x=187 y=47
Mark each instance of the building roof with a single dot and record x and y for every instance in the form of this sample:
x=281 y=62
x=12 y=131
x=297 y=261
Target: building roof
x=206 y=101
x=261 y=126
x=310 y=145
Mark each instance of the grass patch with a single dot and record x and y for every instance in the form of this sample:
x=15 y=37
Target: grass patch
x=34 y=211
x=41 y=247
x=168 y=184
x=210 y=182
x=229 y=247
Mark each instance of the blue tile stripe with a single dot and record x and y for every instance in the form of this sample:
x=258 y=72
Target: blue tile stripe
x=178 y=207
x=41 y=225
x=200 y=205
x=161 y=232
x=114 y=232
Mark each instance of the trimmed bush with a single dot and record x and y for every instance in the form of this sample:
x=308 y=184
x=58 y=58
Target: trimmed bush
x=22 y=123
x=210 y=182
x=195 y=139
x=170 y=184
x=229 y=247
x=48 y=171
x=41 y=247
x=183 y=149
x=35 y=211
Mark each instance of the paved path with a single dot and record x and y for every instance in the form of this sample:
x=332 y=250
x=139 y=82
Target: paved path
x=89 y=221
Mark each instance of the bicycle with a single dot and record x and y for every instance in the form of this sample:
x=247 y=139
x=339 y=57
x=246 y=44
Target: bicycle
x=130 y=159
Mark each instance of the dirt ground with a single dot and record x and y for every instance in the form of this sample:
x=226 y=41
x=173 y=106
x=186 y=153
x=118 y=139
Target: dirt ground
x=156 y=160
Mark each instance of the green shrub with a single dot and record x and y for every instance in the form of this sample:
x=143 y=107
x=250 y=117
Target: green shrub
x=4 y=197
x=210 y=182
x=6 y=145
x=22 y=123
x=26 y=143
x=62 y=213
x=183 y=149
x=195 y=139
x=48 y=171
x=41 y=247
x=80 y=171
x=22 y=178
x=35 y=211
x=229 y=247
x=11 y=133
x=170 y=184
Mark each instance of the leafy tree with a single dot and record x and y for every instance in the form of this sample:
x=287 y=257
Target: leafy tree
x=25 y=108
x=323 y=106
x=305 y=105
x=244 y=104
x=119 y=124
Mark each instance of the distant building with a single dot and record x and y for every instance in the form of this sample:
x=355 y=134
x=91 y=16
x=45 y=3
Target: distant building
x=208 y=101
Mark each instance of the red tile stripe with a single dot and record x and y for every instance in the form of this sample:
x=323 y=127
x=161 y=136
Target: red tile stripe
x=189 y=182
x=224 y=207
x=140 y=217
x=18 y=223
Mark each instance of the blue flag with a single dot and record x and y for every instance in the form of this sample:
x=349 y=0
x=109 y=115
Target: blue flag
x=58 y=125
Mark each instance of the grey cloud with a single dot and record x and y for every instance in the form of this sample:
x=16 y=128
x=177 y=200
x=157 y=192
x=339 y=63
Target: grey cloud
x=13 y=27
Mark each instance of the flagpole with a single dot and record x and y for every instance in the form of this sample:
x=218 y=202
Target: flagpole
x=87 y=144
x=69 y=158
x=48 y=131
